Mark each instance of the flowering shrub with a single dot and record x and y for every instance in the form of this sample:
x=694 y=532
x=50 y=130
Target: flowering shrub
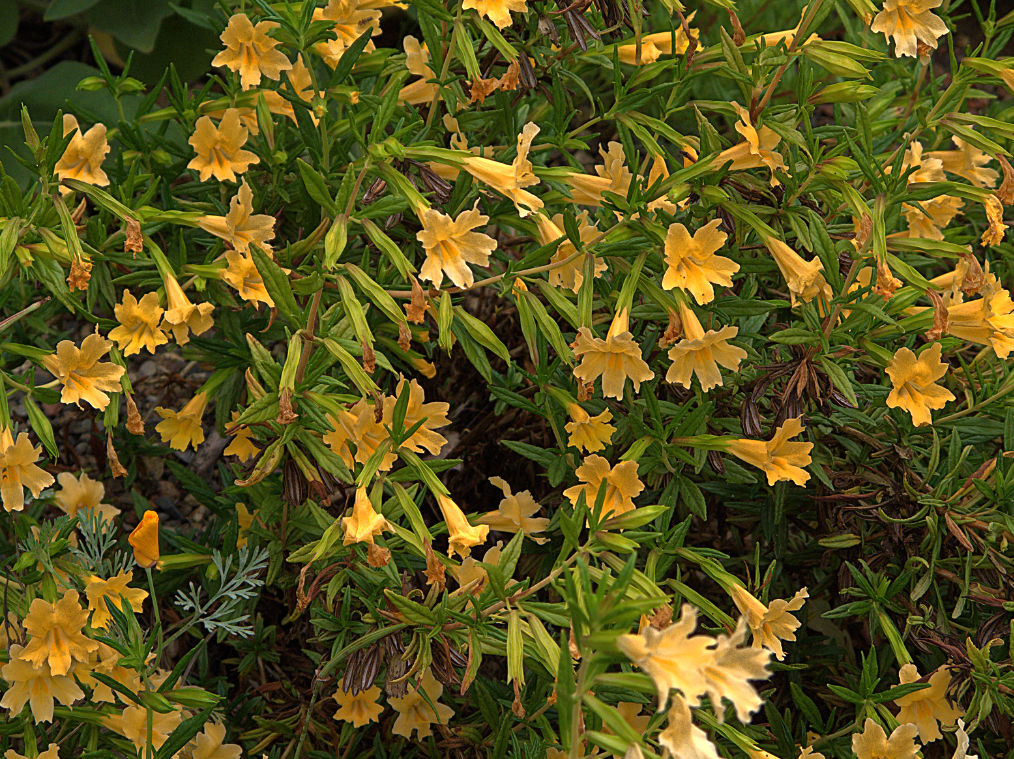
x=591 y=379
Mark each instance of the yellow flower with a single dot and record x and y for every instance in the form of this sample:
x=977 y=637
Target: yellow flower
x=701 y=353
x=434 y=414
x=219 y=149
x=873 y=742
x=961 y=750
x=692 y=263
x=497 y=11
x=358 y=708
x=671 y=657
x=56 y=637
x=588 y=433
x=804 y=278
x=471 y=570
x=515 y=513
x=245 y=521
x=241 y=227
x=805 y=752
x=421 y=91
x=927 y=707
x=242 y=445
x=756 y=150
x=653 y=46
x=115 y=589
x=631 y=713
x=37 y=686
x=612 y=176
x=133 y=725
x=18 y=470
x=50 y=753
x=83 y=377
x=909 y=22
x=300 y=84
x=183 y=428
x=778 y=458
x=11 y=630
x=83 y=492
x=729 y=669
x=988 y=320
x=621 y=485
x=351 y=19
x=770 y=624
x=461 y=536
x=144 y=541
x=451 y=245
x=184 y=317
x=614 y=359
x=83 y=157
x=994 y=214
x=251 y=52
x=417 y=712
x=967 y=161
x=510 y=180
x=358 y=425
x=914 y=380
x=105 y=661
x=682 y=737
x=926 y=218
x=210 y=744
x=569 y=275
x=138 y=324
x=365 y=523
x=244 y=276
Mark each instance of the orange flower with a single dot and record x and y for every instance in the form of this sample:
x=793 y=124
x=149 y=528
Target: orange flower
x=804 y=278
x=243 y=275
x=83 y=377
x=451 y=245
x=83 y=157
x=241 y=227
x=83 y=492
x=701 y=353
x=873 y=742
x=144 y=540
x=358 y=708
x=988 y=320
x=515 y=513
x=497 y=11
x=967 y=161
x=365 y=523
x=994 y=215
x=419 y=708
x=183 y=428
x=251 y=52
x=219 y=149
x=914 y=380
x=621 y=485
x=35 y=685
x=510 y=180
x=756 y=150
x=770 y=624
x=18 y=470
x=115 y=590
x=692 y=263
x=569 y=275
x=242 y=445
x=351 y=18
x=421 y=91
x=778 y=458
x=56 y=637
x=462 y=536
x=614 y=359
x=138 y=324
x=590 y=433
x=184 y=317
x=434 y=416
x=654 y=46
x=612 y=176
x=300 y=84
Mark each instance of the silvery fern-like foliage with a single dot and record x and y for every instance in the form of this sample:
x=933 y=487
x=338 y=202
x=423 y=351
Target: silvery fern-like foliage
x=96 y=548
x=222 y=613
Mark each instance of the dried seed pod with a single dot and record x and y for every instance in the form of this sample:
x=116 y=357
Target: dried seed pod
x=375 y=191
x=717 y=465
x=295 y=488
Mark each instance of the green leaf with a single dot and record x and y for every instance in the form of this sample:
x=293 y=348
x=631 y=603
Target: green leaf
x=276 y=282
x=183 y=734
x=58 y=9
x=350 y=56
x=8 y=21
x=135 y=23
x=316 y=186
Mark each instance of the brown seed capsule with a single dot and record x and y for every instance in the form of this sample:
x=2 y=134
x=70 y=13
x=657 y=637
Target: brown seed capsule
x=294 y=485
x=375 y=191
x=718 y=466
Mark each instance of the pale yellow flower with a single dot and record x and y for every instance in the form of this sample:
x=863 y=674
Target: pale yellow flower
x=873 y=742
x=83 y=492
x=631 y=713
x=184 y=317
x=243 y=275
x=250 y=52
x=770 y=624
x=351 y=19
x=183 y=428
x=416 y=712
x=83 y=157
x=37 y=686
x=240 y=227
x=967 y=161
x=144 y=540
x=516 y=513
x=994 y=215
x=365 y=523
x=914 y=383
x=451 y=245
x=300 y=84
x=18 y=470
x=927 y=218
x=671 y=657
x=569 y=275
x=50 y=753
x=210 y=744
x=778 y=458
x=471 y=570
x=106 y=661
x=611 y=176
x=615 y=359
x=139 y=326
x=805 y=279
x=756 y=150
x=219 y=149
x=83 y=376
x=910 y=22
x=692 y=264
x=961 y=750
x=242 y=445
x=928 y=708
x=988 y=320
x=358 y=426
x=729 y=669
x=358 y=708
x=588 y=433
x=512 y=180
x=805 y=752
x=244 y=520
x=497 y=11
x=421 y=91
x=461 y=536
x=622 y=485
x=133 y=725
x=56 y=637
x=682 y=738
x=115 y=590
x=654 y=46
x=434 y=414
x=701 y=352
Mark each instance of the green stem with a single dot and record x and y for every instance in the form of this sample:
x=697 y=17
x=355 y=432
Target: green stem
x=158 y=627
x=26 y=68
